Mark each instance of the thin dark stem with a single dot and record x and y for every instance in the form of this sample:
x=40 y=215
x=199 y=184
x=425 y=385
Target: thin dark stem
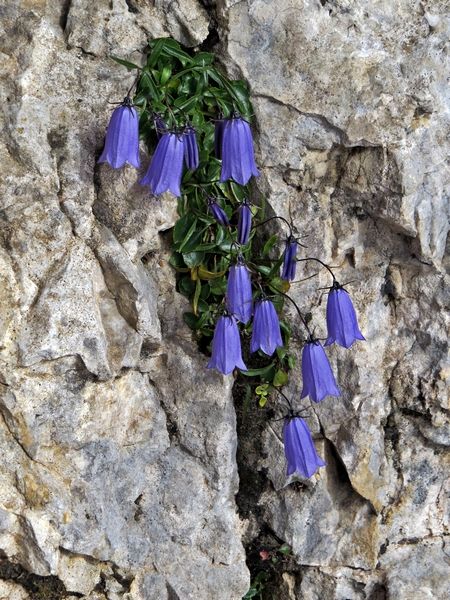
x=284 y=396
x=271 y=219
x=302 y=318
x=134 y=83
x=321 y=262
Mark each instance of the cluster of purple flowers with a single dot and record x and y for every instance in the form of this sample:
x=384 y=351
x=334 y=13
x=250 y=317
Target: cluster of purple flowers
x=177 y=148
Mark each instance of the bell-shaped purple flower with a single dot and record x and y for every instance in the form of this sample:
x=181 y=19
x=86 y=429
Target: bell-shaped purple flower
x=217 y=212
x=122 y=137
x=244 y=223
x=238 y=160
x=266 y=334
x=190 y=148
x=239 y=292
x=342 y=323
x=218 y=134
x=289 y=260
x=166 y=167
x=226 y=346
x=301 y=456
x=318 y=378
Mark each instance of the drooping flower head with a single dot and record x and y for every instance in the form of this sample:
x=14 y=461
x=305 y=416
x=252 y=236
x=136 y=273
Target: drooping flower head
x=122 y=137
x=190 y=148
x=301 y=456
x=226 y=346
x=342 y=323
x=318 y=378
x=239 y=292
x=238 y=160
x=266 y=334
x=166 y=167
x=244 y=223
x=217 y=212
x=159 y=125
x=289 y=260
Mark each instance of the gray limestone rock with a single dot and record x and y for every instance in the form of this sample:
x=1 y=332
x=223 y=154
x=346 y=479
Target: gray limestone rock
x=119 y=476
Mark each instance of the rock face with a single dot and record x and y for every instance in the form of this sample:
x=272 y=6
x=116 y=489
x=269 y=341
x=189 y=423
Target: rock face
x=118 y=474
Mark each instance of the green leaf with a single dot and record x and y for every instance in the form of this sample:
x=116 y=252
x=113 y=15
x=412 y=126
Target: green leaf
x=173 y=49
x=242 y=96
x=191 y=320
x=198 y=289
x=264 y=372
x=186 y=286
x=126 y=63
x=270 y=244
x=186 y=104
x=165 y=75
x=281 y=352
x=193 y=259
x=146 y=84
x=252 y=592
x=285 y=549
x=192 y=241
x=262 y=401
x=203 y=58
x=280 y=378
x=183 y=227
x=157 y=46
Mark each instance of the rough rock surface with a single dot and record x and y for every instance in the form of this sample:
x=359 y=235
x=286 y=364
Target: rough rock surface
x=118 y=474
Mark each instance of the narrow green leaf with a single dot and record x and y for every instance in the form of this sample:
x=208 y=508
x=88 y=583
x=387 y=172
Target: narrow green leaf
x=165 y=75
x=157 y=46
x=126 y=63
x=263 y=372
x=198 y=289
x=270 y=244
x=182 y=56
x=147 y=85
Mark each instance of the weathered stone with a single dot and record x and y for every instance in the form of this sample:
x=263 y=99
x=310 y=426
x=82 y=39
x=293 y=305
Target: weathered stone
x=118 y=474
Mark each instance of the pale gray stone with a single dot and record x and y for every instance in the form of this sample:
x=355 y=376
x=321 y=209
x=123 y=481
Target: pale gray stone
x=118 y=471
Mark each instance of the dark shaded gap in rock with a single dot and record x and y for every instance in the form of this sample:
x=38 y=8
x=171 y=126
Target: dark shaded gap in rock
x=64 y=14
x=212 y=38
x=253 y=481
x=39 y=587
x=131 y=6
x=379 y=592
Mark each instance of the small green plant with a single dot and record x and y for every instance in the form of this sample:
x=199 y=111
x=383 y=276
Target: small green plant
x=181 y=89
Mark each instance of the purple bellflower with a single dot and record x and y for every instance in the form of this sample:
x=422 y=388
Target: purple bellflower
x=318 y=378
x=226 y=346
x=342 y=323
x=239 y=292
x=238 y=160
x=190 y=148
x=301 y=456
x=166 y=167
x=122 y=137
x=218 y=213
x=266 y=335
x=289 y=260
x=244 y=223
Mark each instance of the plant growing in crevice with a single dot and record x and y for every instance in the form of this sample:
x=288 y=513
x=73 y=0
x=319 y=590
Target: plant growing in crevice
x=197 y=124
